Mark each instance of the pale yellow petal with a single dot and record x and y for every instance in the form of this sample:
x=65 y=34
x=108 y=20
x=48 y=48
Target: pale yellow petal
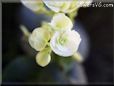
x=39 y=38
x=61 y=22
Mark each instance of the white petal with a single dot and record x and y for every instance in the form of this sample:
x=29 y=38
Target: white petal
x=50 y=4
x=32 y=4
x=58 y=6
x=39 y=38
x=61 y=22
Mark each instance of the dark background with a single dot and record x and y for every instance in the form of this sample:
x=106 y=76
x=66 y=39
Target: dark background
x=99 y=25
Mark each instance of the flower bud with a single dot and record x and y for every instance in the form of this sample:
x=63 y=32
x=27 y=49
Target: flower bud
x=61 y=22
x=43 y=57
x=39 y=38
x=77 y=56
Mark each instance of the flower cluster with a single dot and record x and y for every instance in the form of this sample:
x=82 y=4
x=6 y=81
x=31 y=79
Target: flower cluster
x=56 y=35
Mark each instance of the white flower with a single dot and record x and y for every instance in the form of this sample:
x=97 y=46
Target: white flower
x=39 y=38
x=61 y=22
x=65 y=43
x=66 y=6
x=43 y=57
x=57 y=5
x=34 y=5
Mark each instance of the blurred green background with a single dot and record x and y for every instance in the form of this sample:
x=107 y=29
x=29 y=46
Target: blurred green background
x=18 y=66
